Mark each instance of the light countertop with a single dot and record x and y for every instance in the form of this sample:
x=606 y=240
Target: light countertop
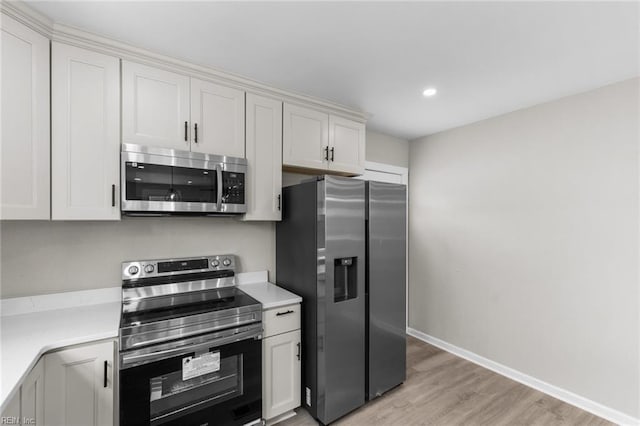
x=257 y=285
x=26 y=337
x=270 y=295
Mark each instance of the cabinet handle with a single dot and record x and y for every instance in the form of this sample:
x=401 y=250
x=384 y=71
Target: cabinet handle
x=326 y=153
x=279 y=197
x=298 y=354
x=186 y=130
x=105 y=374
x=113 y=195
x=195 y=139
x=332 y=153
x=284 y=313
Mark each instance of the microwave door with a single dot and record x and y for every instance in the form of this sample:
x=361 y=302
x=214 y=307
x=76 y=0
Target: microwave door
x=150 y=187
x=194 y=185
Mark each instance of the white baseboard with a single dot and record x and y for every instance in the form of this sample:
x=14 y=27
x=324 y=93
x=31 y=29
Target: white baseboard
x=554 y=391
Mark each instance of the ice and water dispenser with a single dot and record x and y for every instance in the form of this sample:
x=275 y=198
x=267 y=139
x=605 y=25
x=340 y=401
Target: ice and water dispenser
x=345 y=279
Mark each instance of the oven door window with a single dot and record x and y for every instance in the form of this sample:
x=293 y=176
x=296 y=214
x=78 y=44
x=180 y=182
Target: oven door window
x=153 y=182
x=164 y=392
x=170 y=395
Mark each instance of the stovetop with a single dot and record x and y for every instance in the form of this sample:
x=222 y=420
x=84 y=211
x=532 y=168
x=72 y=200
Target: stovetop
x=169 y=300
x=187 y=304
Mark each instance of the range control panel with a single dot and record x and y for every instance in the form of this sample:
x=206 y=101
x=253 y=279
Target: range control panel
x=232 y=188
x=137 y=269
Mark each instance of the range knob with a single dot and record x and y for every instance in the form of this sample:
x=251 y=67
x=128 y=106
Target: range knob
x=215 y=263
x=149 y=269
x=226 y=262
x=133 y=270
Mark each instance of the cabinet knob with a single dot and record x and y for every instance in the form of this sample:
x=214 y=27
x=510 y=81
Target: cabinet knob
x=195 y=138
x=186 y=130
x=332 y=151
x=298 y=354
x=326 y=153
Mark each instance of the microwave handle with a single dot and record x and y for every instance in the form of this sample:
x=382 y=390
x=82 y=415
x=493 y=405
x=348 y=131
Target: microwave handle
x=219 y=191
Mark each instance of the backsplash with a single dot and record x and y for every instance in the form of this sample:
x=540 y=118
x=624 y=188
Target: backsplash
x=40 y=257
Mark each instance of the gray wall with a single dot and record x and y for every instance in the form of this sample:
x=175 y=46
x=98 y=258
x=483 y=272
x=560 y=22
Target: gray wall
x=48 y=257
x=524 y=241
x=386 y=149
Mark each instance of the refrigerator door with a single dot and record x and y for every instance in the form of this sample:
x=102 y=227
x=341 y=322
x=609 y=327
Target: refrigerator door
x=341 y=297
x=386 y=286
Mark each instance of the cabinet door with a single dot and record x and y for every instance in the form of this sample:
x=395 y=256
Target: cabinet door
x=305 y=137
x=32 y=395
x=281 y=371
x=78 y=387
x=24 y=151
x=346 y=146
x=264 y=158
x=11 y=409
x=85 y=156
x=155 y=107
x=218 y=113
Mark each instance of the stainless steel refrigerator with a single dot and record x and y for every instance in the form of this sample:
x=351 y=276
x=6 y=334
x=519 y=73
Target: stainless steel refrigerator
x=341 y=246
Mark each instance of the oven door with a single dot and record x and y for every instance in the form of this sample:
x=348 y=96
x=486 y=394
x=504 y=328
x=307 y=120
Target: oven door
x=208 y=382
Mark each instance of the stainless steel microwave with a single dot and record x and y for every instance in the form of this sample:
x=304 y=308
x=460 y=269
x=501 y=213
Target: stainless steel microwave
x=161 y=181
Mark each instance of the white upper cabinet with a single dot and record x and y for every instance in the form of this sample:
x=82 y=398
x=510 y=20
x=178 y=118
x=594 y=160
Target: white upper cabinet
x=322 y=142
x=170 y=110
x=155 y=107
x=305 y=137
x=217 y=119
x=85 y=99
x=25 y=123
x=264 y=158
x=346 y=140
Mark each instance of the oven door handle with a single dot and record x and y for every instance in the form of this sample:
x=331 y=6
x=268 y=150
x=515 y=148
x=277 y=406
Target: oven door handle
x=219 y=189
x=144 y=358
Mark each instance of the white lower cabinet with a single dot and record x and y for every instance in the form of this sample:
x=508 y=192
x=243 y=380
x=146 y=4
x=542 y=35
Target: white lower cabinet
x=32 y=396
x=79 y=386
x=282 y=373
x=27 y=404
x=281 y=363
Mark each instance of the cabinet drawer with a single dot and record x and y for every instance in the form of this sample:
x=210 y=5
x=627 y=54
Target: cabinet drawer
x=282 y=319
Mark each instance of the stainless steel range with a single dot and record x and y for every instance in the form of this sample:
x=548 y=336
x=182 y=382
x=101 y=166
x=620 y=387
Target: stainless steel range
x=190 y=344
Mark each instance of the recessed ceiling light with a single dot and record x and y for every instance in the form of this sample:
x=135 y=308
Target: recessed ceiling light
x=429 y=92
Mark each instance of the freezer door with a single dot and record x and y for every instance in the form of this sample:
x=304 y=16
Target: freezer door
x=341 y=297
x=386 y=286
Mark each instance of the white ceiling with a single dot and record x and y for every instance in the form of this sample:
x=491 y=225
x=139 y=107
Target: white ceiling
x=485 y=58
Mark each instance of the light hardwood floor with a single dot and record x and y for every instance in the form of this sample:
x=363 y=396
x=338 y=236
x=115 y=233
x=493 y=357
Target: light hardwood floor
x=443 y=389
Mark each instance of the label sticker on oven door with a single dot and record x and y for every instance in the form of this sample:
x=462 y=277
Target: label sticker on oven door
x=194 y=366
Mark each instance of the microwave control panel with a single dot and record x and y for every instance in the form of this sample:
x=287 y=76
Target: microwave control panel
x=232 y=188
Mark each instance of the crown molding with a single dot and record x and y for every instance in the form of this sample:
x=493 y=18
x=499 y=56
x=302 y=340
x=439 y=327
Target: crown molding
x=27 y=16
x=67 y=34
